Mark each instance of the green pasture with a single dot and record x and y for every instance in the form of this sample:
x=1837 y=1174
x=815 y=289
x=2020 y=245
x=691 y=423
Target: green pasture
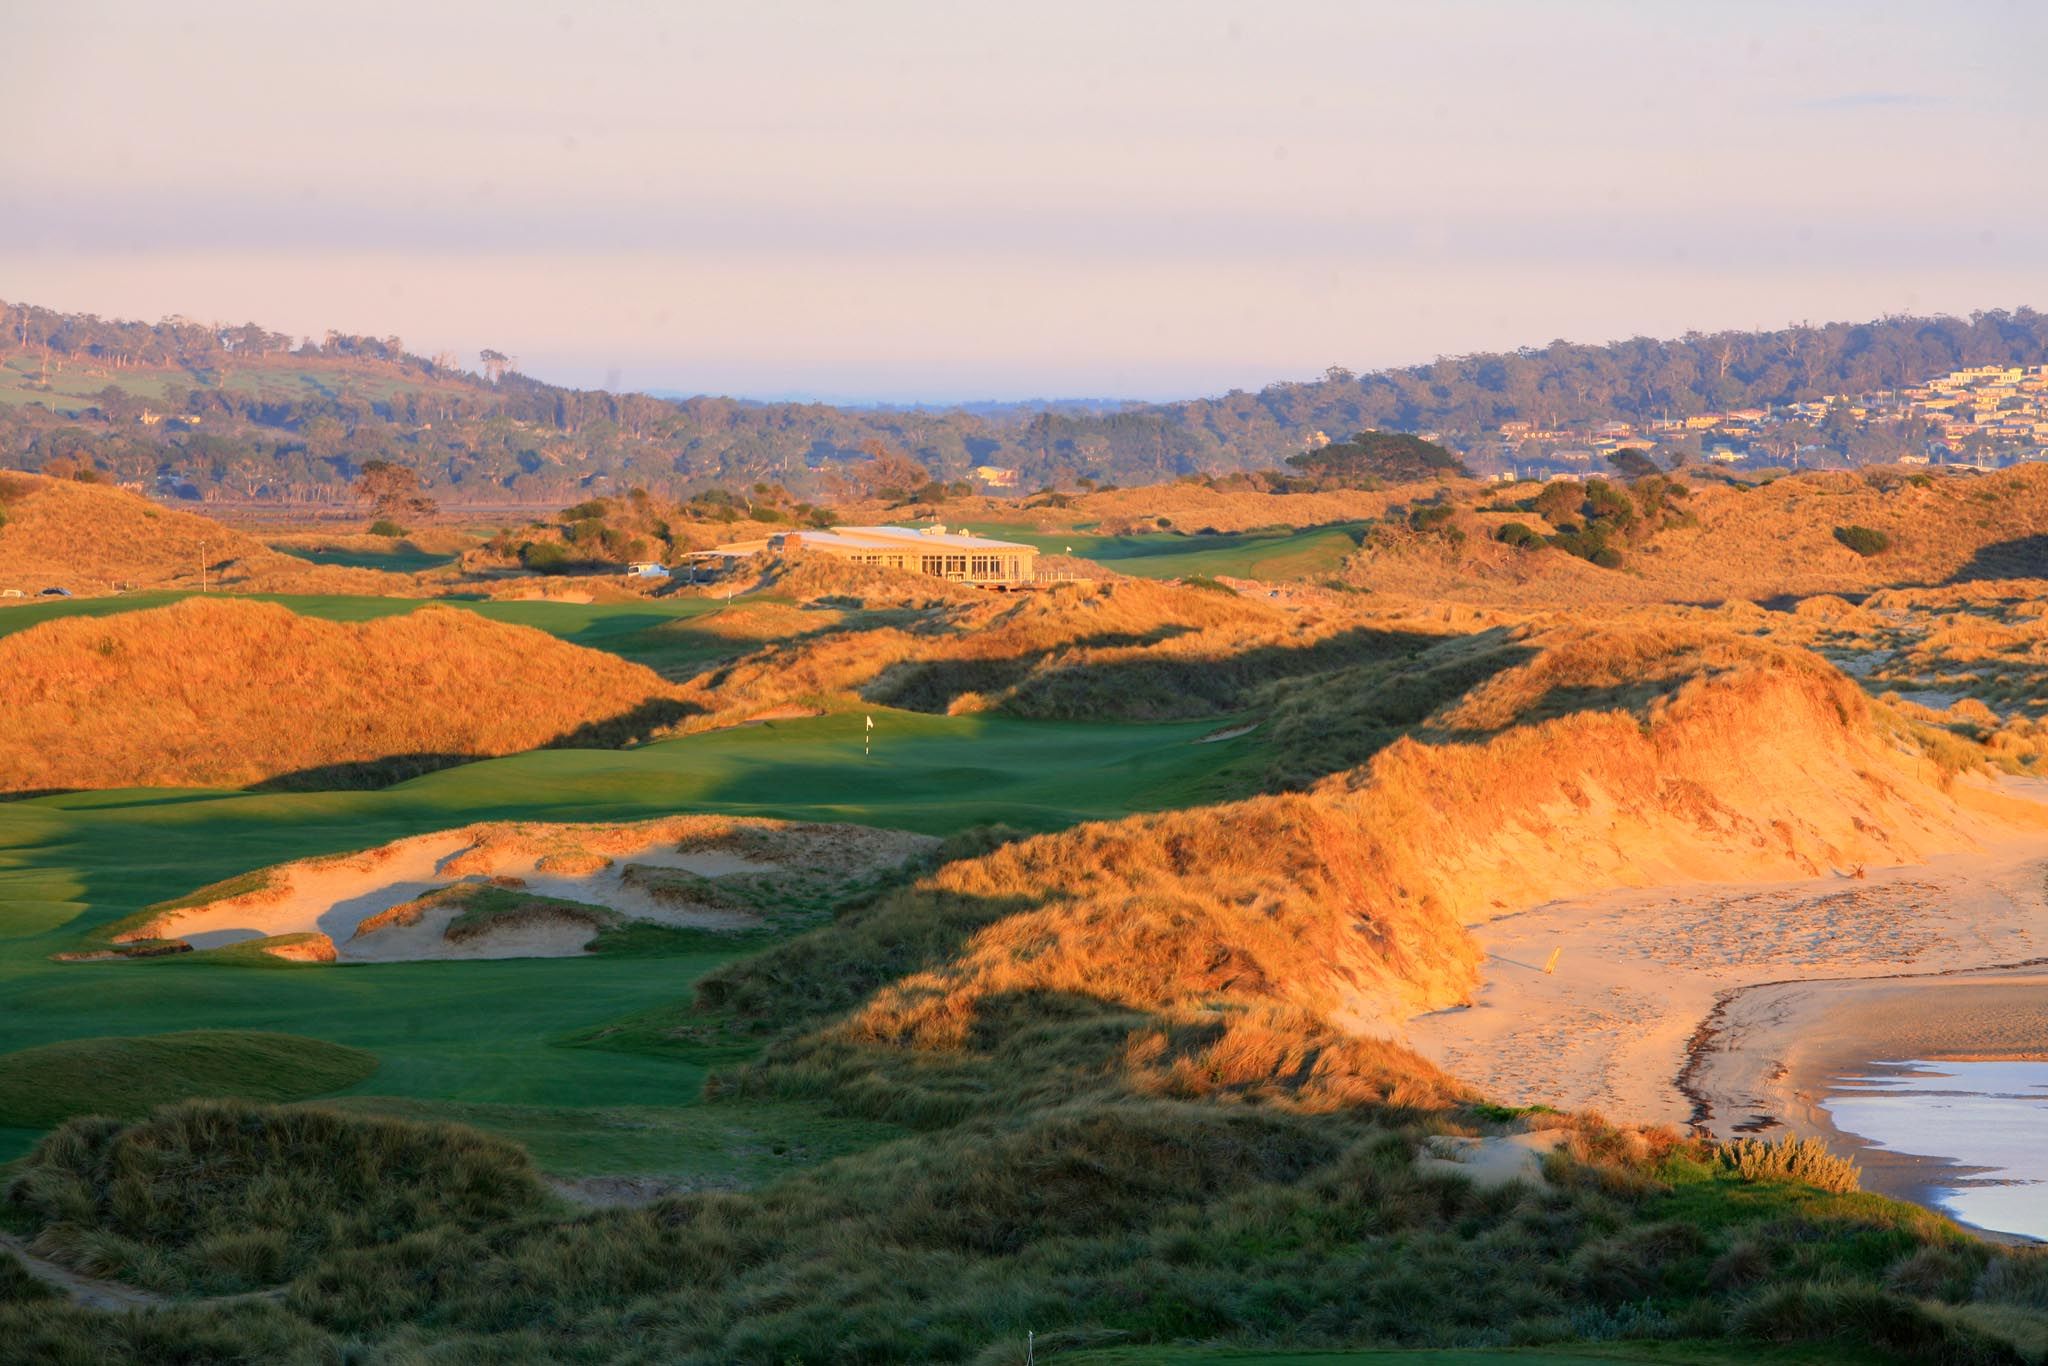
x=1272 y=554
x=485 y=1042
x=71 y=389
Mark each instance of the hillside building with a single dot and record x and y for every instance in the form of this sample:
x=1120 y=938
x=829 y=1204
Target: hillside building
x=933 y=550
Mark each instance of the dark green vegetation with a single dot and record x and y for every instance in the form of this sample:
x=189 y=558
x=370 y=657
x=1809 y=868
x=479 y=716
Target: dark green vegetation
x=1370 y=459
x=244 y=412
x=1117 y=1221
x=1596 y=520
x=395 y=560
x=41 y=1087
x=1863 y=540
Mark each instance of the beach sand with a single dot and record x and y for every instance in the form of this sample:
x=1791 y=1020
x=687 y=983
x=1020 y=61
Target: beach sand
x=1719 y=1006
x=1771 y=1057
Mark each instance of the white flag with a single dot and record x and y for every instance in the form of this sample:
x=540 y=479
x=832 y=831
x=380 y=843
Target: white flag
x=871 y=723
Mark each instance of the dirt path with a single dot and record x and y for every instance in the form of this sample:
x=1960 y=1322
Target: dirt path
x=93 y=1293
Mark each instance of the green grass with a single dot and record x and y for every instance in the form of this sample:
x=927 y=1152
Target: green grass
x=490 y=1033
x=1278 y=554
x=396 y=561
x=743 y=1143
x=42 y=1086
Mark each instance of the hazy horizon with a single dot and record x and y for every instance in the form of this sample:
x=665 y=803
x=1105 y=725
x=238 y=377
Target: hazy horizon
x=908 y=203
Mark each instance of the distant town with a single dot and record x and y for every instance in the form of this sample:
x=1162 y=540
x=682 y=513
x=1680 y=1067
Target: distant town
x=1985 y=417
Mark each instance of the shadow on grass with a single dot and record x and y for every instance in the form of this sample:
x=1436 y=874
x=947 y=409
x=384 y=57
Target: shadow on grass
x=1151 y=688
x=2023 y=557
x=643 y=722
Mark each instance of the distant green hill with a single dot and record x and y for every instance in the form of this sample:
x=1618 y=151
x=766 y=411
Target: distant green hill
x=247 y=413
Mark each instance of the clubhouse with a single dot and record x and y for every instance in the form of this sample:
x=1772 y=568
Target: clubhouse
x=933 y=550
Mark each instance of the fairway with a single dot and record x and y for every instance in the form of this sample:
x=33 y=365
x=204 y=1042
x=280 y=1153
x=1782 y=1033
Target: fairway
x=391 y=561
x=482 y=1041
x=1275 y=554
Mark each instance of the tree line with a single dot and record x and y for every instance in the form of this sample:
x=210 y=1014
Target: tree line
x=495 y=434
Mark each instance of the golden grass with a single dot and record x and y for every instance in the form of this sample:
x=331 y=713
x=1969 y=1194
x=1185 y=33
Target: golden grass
x=215 y=692
x=95 y=538
x=1750 y=543
x=1131 y=648
x=1245 y=949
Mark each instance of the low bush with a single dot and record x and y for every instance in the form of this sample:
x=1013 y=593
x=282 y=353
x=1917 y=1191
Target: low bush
x=543 y=557
x=385 y=527
x=1865 y=541
x=1520 y=535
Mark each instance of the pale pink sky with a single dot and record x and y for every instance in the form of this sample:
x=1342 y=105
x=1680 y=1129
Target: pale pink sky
x=959 y=200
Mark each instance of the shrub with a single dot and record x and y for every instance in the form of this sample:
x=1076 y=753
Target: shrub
x=1207 y=584
x=1863 y=540
x=1805 y=1160
x=1430 y=517
x=1559 y=502
x=385 y=527
x=543 y=557
x=1520 y=535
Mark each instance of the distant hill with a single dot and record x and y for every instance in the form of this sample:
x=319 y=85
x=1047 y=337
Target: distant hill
x=244 y=413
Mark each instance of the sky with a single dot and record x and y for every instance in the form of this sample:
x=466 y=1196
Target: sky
x=941 y=201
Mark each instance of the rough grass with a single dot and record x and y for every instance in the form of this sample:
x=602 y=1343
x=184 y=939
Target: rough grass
x=1749 y=543
x=40 y=1087
x=95 y=538
x=1806 y=1160
x=1133 y=1220
x=1125 y=648
x=221 y=1196
x=209 y=692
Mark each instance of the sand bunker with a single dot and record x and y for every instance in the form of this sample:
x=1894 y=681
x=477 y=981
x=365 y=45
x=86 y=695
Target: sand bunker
x=532 y=890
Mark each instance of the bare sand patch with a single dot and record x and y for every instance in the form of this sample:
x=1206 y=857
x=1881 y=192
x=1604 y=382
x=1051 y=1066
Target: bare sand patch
x=349 y=899
x=1489 y=1162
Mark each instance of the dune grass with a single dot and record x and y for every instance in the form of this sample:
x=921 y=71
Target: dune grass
x=126 y=1076
x=229 y=692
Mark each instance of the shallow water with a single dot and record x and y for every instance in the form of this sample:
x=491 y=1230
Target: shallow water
x=1990 y=1117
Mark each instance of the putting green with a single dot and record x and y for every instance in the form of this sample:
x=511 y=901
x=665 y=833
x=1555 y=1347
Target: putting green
x=484 y=1038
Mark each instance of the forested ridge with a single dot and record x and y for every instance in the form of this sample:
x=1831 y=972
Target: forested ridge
x=246 y=413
